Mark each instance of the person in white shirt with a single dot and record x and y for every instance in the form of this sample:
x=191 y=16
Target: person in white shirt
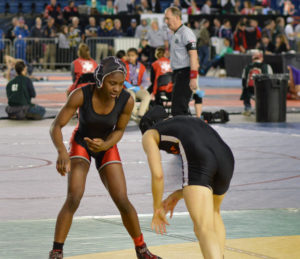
x=290 y=32
x=206 y=7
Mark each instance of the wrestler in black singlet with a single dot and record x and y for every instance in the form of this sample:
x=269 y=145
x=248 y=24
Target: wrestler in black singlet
x=206 y=158
x=94 y=125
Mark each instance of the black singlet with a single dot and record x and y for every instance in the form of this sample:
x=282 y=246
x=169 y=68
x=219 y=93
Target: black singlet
x=94 y=125
x=207 y=159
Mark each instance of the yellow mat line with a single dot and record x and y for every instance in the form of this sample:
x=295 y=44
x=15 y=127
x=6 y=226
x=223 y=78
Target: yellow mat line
x=284 y=247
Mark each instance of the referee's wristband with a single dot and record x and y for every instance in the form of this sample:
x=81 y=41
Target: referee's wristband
x=193 y=74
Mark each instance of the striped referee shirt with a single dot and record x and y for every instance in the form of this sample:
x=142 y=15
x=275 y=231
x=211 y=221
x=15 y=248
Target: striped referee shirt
x=182 y=41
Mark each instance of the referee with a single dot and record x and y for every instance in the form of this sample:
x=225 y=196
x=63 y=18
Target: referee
x=184 y=62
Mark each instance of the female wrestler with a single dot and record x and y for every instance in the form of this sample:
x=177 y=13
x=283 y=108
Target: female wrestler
x=104 y=111
x=207 y=170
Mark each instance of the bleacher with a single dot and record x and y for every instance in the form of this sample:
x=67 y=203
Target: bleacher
x=32 y=6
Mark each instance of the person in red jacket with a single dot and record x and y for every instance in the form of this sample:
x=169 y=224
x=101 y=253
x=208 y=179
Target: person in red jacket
x=137 y=77
x=239 y=36
x=84 y=64
x=159 y=75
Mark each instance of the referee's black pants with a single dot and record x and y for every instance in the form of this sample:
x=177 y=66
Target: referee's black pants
x=182 y=93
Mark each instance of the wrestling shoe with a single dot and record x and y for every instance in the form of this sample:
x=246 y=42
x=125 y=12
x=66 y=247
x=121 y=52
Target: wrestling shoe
x=54 y=254
x=142 y=252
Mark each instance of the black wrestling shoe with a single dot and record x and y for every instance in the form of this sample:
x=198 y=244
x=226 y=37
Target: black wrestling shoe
x=142 y=252
x=54 y=254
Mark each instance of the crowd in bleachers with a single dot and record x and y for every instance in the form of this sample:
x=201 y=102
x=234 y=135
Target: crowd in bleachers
x=60 y=28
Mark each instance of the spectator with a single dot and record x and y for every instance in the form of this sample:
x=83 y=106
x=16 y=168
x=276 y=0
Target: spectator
x=9 y=33
x=297 y=32
x=54 y=10
x=91 y=29
x=95 y=6
x=218 y=59
x=156 y=38
x=19 y=92
x=240 y=43
x=117 y=30
x=64 y=46
x=225 y=30
x=37 y=33
x=109 y=27
x=102 y=31
x=228 y=8
x=248 y=9
x=123 y=6
x=224 y=2
x=121 y=54
x=37 y=30
x=2 y=46
x=77 y=32
x=109 y=33
x=159 y=68
x=144 y=51
x=154 y=6
x=266 y=46
x=143 y=7
x=176 y=3
x=196 y=29
x=193 y=9
x=206 y=7
x=73 y=42
x=290 y=32
x=102 y=44
x=216 y=28
x=256 y=67
x=266 y=7
x=288 y=8
x=132 y=28
x=253 y=34
x=75 y=36
x=269 y=29
x=21 y=31
x=281 y=44
x=108 y=9
x=237 y=7
x=84 y=64
x=137 y=77
x=70 y=11
x=203 y=43
x=142 y=29
x=49 y=32
x=279 y=29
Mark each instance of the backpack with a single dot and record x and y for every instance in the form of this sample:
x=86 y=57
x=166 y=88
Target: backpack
x=221 y=116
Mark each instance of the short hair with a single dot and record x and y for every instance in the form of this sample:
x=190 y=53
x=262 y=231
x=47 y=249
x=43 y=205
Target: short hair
x=20 y=66
x=174 y=10
x=133 y=50
x=228 y=39
x=120 y=54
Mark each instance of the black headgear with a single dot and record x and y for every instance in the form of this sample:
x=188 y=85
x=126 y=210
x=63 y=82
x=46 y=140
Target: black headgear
x=155 y=114
x=106 y=67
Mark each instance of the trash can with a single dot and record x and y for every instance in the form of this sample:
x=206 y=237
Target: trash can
x=270 y=97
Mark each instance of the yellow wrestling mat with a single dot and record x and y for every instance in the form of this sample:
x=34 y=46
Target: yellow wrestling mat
x=283 y=247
